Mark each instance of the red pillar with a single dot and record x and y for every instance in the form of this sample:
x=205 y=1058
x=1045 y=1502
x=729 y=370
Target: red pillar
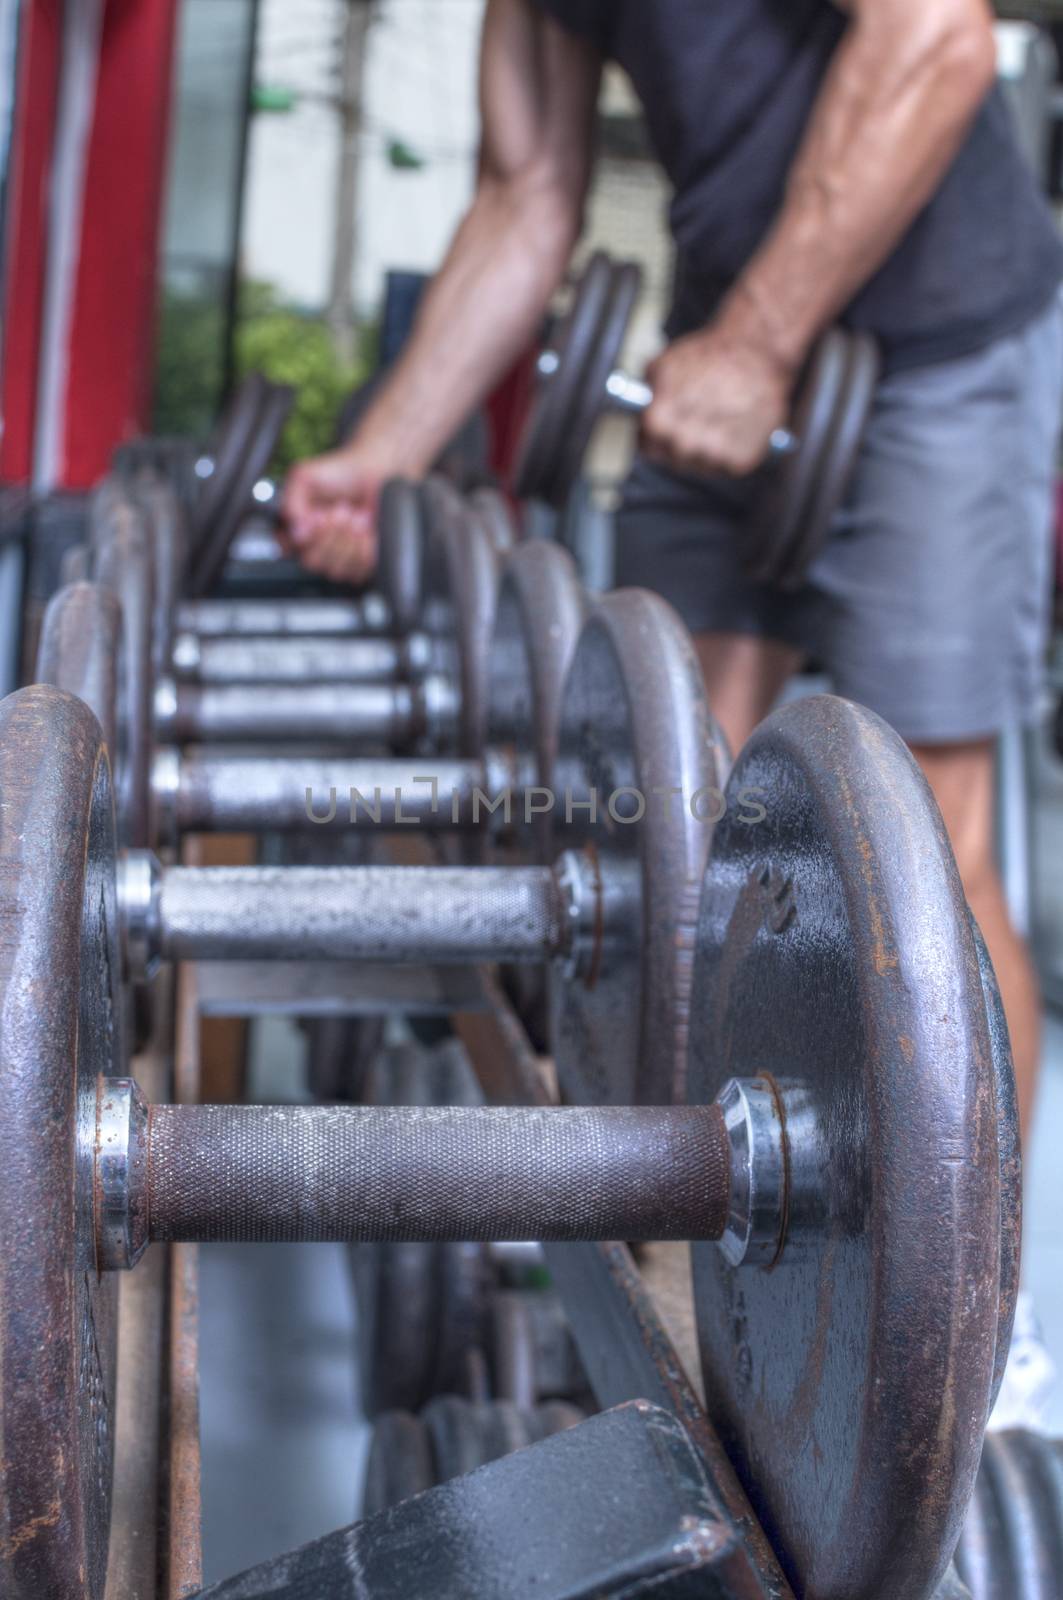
x=26 y=226
x=113 y=325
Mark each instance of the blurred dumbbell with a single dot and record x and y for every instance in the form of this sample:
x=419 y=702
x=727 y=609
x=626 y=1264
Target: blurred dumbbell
x=798 y=491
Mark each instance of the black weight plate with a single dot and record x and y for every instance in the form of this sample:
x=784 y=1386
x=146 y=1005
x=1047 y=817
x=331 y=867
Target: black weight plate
x=838 y=461
x=58 y=1319
x=124 y=566
x=401 y=562
x=461 y=590
x=399 y=1464
x=550 y=417
x=589 y=402
x=513 y=1349
x=850 y=1382
x=79 y=651
x=785 y=487
x=460 y=1433
x=227 y=449
x=212 y=551
x=541 y=608
x=1011 y=1547
x=635 y=728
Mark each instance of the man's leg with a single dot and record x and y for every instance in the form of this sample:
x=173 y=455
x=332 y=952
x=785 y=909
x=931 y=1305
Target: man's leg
x=962 y=778
x=744 y=676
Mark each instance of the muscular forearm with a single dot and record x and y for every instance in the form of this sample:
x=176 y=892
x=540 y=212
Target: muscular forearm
x=482 y=309
x=902 y=91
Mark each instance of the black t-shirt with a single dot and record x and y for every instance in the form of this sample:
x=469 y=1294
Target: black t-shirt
x=728 y=86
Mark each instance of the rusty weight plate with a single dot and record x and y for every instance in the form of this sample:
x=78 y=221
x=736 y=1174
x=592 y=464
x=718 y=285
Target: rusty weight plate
x=636 y=737
x=542 y=606
x=573 y=345
x=590 y=400
x=461 y=590
x=124 y=565
x=59 y=964
x=401 y=535
x=850 y=1382
x=79 y=651
x=230 y=511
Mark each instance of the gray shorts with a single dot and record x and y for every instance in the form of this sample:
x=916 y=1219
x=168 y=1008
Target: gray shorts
x=931 y=602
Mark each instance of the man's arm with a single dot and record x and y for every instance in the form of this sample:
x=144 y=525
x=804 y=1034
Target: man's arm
x=906 y=82
x=538 y=92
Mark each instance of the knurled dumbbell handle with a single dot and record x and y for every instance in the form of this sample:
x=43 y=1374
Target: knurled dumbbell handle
x=295 y=1173
x=283 y=618
x=432 y=915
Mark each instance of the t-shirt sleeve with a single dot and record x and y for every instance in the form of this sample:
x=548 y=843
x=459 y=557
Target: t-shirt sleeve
x=590 y=19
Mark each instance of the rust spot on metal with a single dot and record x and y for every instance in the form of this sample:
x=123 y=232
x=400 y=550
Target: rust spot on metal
x=21 y=1537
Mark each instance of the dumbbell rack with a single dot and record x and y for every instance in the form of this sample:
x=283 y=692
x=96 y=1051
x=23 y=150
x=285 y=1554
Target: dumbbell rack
x=627 y=1349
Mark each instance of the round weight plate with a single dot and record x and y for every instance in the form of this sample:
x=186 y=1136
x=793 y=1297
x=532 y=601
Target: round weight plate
x=79 y=651
x=850 y=1381
x=166 y=526
x=834 y=472
x=589 y=402
x=1011 y=1547
x=637 y=742
x=494 y=511
x=542 y=606
x=399 y=1464
x=1009 y=1143
x=573 y=345
x=401 y=530
x=460 y=1434
x=785 y=487
x=232 y=512
x=461 y=589
x=58 y=1326
x=124 y=566
x=76 y=565
x=227 y=447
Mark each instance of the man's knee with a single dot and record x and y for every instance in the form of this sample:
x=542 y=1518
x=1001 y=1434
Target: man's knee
x=962 y=778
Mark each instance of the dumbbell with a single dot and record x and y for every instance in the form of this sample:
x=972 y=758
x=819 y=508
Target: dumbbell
x=845 y=1163
x=800 y=489
x=439 y=1318
x=636 y=783
x=217 y=484
x=405 y=511
x=445 y=710
x=516 y=677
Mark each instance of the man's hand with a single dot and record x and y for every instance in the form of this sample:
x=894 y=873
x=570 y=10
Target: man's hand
x=329 y=514
x=717 y=400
